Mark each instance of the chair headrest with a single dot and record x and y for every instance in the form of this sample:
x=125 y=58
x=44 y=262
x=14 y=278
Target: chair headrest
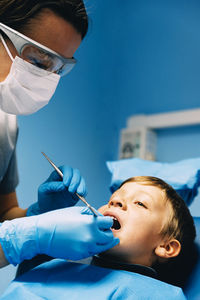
x=192 y=287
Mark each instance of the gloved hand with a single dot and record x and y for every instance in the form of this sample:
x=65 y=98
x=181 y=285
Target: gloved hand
x=57 y=193
x=69 y=233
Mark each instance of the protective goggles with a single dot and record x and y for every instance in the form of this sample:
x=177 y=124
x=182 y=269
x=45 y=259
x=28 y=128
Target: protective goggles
x=37 y=54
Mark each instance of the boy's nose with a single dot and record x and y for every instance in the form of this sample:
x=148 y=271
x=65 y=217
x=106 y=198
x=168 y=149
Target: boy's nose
x=117 y=203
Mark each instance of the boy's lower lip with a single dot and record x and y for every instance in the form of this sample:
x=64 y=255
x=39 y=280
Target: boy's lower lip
x=115 y=230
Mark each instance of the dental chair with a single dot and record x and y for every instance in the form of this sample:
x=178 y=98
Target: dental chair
x=192 y=286
x=184 y=177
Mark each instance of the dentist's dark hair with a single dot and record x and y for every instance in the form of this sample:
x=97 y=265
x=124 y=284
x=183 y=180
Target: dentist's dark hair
x=17 y=14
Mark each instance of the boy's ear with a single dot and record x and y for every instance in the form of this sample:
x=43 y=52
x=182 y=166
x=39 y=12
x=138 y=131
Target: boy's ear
x=168 y=249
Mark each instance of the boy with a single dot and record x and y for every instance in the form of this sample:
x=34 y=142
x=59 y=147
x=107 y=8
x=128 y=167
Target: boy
x=153 y=225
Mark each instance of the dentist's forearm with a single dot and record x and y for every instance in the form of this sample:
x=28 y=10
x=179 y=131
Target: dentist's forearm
x=3 y=260
x=13 y=213
x=9 y=208
x=68 y=233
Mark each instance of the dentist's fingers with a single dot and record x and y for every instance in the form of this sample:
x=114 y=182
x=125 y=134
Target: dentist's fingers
x=81 y=189
x=77 y=183
x=105 y=222
x=52 y=187
x=54 y=176
x=72 y=180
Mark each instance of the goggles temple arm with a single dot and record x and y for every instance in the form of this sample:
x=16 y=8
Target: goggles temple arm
x=6 y=47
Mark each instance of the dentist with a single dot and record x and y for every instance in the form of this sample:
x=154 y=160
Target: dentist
x=37 y=42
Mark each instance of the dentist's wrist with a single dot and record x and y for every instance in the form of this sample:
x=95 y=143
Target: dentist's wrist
x=18 y=239
x=33 y=210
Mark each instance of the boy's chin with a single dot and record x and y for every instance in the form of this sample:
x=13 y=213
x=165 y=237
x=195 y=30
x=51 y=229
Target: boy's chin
x=111 y=252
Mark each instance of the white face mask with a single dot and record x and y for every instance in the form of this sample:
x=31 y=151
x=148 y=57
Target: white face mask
x=27 y=88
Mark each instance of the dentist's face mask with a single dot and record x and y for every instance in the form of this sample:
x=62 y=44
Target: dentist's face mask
x=31 y=81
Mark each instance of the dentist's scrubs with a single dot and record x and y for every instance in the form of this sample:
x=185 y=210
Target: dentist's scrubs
x=59 y=279
x=8 y=164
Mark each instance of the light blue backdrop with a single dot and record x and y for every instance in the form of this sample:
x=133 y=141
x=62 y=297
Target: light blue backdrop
x=140 y=56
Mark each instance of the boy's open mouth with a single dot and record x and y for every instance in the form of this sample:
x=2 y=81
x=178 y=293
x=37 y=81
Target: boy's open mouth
x=116 y=225
x=116 y=221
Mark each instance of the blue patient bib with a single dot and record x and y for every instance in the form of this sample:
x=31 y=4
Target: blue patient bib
x=59 y=279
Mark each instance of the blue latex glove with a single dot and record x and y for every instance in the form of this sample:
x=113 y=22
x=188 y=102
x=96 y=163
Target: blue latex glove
x=69 y=233
x=57 y=193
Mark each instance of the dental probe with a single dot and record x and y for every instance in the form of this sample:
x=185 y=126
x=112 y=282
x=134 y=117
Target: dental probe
x=61 y=175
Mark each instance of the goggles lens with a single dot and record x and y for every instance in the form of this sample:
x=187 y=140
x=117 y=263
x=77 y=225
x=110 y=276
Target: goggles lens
x=45 y=60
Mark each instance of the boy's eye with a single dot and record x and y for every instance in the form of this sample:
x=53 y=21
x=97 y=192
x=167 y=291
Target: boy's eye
x=140 y=204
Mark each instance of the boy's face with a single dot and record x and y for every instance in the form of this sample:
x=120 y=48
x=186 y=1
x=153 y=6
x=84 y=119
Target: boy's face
x=141 y=211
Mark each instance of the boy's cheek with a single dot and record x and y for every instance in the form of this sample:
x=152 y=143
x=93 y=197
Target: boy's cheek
x=102 y=209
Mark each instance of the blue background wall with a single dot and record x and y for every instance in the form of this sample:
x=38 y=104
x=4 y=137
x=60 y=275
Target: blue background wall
x=139 y=57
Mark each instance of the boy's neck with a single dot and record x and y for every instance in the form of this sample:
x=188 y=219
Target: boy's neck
x=112 y=264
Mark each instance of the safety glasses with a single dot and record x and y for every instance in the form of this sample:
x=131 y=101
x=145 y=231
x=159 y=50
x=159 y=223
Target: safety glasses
x=37 y=54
